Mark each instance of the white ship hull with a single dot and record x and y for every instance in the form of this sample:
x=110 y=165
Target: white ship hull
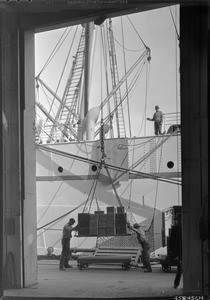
x=145 y=172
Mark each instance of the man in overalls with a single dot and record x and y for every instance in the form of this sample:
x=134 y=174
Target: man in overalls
x=141 y=237
x=158 y=120
x=66 y=237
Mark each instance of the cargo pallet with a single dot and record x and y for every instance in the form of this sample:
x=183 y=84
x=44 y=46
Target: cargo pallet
x=126 y=256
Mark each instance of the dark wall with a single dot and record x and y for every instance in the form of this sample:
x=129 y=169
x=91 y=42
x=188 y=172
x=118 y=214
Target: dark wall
x=10 y=151
x=194 y=120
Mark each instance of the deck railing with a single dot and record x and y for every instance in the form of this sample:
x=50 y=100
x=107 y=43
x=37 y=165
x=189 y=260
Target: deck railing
x=170 y=119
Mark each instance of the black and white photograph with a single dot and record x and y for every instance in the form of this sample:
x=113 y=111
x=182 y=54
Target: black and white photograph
x=104 y=149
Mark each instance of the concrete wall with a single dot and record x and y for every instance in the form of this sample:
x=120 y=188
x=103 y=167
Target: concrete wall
x=11 y=154
x=29 y=213
x=18 y=154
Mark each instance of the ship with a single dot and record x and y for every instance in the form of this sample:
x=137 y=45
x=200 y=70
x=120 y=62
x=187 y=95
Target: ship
x=86 y=157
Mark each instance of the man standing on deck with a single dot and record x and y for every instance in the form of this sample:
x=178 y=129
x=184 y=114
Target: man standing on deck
x=66 y=237
x=141 y=237
x=158 y=120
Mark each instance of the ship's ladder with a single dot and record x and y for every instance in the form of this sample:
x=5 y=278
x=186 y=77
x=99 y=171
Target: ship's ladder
x=121 y=132
x=69 y=116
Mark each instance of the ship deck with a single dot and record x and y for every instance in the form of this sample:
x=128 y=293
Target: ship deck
x=98 y=282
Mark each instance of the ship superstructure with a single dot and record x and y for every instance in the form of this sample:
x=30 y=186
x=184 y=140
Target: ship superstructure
x=86 y=158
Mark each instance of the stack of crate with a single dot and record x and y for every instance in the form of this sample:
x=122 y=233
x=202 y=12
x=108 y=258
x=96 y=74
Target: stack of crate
x=102 y=224
x=94 y=224
x=111 y=211
x=83 y=224
x=121 y=221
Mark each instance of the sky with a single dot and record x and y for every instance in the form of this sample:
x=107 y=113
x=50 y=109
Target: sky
x=156 y=29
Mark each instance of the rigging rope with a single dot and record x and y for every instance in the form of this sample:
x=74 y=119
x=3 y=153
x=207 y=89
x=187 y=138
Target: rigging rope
x=145 y=157
x=126 y=81
x=137 y=33
x=130 y=171
x=157 y=184
x=175 y=26
x=125 y=48
x=93 y=187
x=146 y=92
x=130 y=88
x=101 y=52
x=129 y=200
x=54 y=50
x=62 y=216
x=56 y=192
x=150 y=231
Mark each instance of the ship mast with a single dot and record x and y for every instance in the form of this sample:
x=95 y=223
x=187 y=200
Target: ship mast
x=71 y=117
x=88 y=46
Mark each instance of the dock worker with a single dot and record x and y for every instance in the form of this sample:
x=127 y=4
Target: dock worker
x=66 y=237
x=141 y=237
x=158 y=120
x=175 y=247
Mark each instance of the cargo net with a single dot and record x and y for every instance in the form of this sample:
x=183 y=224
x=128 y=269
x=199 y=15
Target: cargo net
x=129 y=240
x=117 y=241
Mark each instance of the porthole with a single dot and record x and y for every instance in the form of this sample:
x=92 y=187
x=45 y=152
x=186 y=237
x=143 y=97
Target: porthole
x=94 y=168
x=60 y=169
x=170 y=164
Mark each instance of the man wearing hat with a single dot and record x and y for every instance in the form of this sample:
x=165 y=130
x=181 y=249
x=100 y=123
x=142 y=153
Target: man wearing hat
x=66 y=237
x=175 y=247
x=158 y=120
x=141 y=237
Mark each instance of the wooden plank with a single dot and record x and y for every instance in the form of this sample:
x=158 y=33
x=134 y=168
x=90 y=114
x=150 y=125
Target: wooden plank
x=117 y=251
x=104 y=259
x=119 y=248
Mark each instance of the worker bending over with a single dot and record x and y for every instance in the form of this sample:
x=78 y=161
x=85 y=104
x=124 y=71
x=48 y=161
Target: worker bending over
x=141 y=237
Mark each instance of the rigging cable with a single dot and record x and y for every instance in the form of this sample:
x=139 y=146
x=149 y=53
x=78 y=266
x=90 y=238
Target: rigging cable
x=107 y=81
x=127 y=49
x=146 y=92
x=130 y=171
x=54 y=50
x=126 y=81
x=94 y=185
x=132 y=84
x=103 y=43
x=101 y=75
x=56 y=193
x=61 y=217
x=137 y=33
x=93 y=188
x=124 y=77
x=156 y=193
x=93 y=56
x=175 y=26
x=143 y=160
x=130 y=190
x=48 y=100
x=177 y=100
x=177 y=39
x=146 y=157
